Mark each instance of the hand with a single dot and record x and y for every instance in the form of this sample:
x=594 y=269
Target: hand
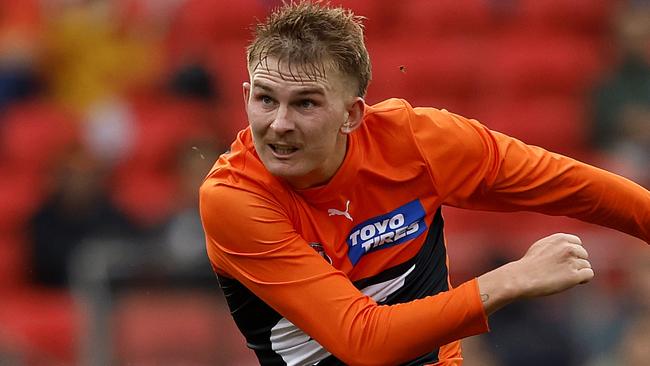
x=551 y=265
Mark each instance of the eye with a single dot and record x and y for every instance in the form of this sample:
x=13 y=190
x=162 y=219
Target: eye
x=265 y=100
x=307 y=104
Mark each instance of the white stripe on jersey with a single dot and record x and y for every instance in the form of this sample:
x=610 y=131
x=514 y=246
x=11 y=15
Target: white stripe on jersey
x=297 y=349
x=294 y=346
x=380 y=291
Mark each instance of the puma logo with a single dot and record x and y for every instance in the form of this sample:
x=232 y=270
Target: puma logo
x=333 y=211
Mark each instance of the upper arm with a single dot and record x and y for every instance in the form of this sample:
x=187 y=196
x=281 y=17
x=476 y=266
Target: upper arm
x=462 y=154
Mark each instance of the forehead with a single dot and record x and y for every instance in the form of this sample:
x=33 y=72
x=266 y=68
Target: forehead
x=271 y=72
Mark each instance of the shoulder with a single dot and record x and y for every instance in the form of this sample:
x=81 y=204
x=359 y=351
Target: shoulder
x=400 y=111
x=391 y=111
x=397 y=118
x=239 y=188
x=228 y=192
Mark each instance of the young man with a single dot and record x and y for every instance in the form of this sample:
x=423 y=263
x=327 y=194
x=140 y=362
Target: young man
x=324 y=224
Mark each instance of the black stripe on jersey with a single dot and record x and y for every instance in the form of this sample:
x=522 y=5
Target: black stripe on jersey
x=254 y=318
x=428 y=278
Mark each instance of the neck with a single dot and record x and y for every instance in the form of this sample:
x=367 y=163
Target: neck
x=323 y=176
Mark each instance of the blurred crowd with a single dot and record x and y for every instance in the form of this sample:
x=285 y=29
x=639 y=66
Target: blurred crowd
x=113 y=111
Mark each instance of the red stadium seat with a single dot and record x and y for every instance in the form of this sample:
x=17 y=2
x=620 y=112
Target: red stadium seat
x=149 y=330
x=22 y=189
x=25 y=16
x=526 y=64
x=380 y=15
x=440 y=18
x=35 y=133
x=145 y=195
x=45 y=322
x=162 y=126
x=228 y=64
x=200 y=24
x=579 y=16
x=227 y=61
x=448 y=69
x=13 y=262
x=554 y=123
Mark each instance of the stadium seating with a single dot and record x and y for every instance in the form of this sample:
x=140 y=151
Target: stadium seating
x=555 y=123
x=442 y=18
x=34 y=133
x=22 y=190
x=531 y=64
x=13 y=263
x=577 y=16
x=448 y=68
x=148 y=329
x=522 y=67
x=45 y=323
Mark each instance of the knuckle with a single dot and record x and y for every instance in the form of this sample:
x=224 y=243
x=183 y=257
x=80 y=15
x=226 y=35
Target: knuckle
x=567 y=251
x=568 y=238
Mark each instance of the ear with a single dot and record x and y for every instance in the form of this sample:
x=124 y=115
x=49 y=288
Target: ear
x=354 y=118
x=246 y=88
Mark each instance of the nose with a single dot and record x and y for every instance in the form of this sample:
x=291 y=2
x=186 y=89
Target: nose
x=283 y=122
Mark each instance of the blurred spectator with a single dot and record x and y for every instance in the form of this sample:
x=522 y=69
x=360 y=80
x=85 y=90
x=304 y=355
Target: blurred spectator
x=77 y=210
x=193 y=81
x=20 y=49
x=622 y=101
x=184 y=239
x=546 y=341
x=89 y=58
x=633 y=349
x=19 y=78
x=632 y=332
x=109 y=130
x=476 y=352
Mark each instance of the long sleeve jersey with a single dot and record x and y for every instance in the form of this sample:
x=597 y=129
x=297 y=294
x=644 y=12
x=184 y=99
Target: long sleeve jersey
x=355 y=271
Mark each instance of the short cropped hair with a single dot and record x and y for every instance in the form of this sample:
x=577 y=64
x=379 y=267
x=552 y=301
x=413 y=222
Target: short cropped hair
x=308 y=35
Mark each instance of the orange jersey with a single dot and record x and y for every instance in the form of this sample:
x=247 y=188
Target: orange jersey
x=307 y=273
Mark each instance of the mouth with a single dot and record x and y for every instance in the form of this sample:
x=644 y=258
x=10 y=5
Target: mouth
x=282 y=150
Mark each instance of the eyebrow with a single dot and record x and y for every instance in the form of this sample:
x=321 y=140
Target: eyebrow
x=303 y=91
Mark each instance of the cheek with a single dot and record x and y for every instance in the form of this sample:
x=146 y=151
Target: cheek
x=324 y=141
x=256 y=120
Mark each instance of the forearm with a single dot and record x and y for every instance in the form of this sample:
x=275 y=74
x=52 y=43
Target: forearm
x=497 y=288
x=597 y=196
x=423 y=325
x=354 y=328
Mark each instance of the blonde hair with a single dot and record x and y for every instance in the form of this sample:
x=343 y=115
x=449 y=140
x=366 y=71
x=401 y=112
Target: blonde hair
x=309 y=36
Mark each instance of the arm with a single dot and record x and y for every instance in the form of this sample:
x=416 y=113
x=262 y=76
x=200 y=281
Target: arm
x=476 y=168
x=251 y=239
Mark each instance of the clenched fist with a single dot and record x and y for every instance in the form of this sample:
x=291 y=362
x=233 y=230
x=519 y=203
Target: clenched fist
x=551 y=265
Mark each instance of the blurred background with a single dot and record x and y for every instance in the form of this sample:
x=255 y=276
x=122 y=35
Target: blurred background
x=111 y=113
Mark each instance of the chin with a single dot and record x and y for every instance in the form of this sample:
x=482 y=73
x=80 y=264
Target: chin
x=282 y=170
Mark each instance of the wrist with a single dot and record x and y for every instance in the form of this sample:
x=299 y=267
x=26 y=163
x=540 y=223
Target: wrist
x=499 y=287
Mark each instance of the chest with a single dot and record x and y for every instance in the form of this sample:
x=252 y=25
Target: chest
x=373 y=225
